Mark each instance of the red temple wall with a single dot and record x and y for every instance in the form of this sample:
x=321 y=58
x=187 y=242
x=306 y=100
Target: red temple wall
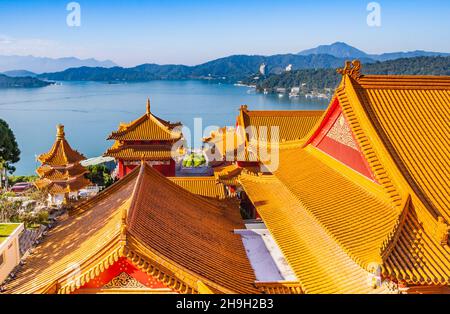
x=166 y=170
x=335 y=138
x=123 y=265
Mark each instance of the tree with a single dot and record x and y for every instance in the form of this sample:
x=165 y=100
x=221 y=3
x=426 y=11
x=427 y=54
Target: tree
x=9 y=150
x=100 y=175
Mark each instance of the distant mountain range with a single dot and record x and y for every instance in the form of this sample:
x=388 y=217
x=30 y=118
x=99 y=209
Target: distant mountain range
x=19 y=73
x=228 y=69
x=42 y=64
x=324 y=81
x=343 y=50
x=233 y=68
x=20 y=82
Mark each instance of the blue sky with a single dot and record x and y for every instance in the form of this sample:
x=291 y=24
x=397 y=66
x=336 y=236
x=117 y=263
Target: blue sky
x=190 y=32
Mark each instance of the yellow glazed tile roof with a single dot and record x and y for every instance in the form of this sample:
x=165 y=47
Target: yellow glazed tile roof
x=416 y=257
x=63 y=186
x=183 y=239
x=148 y=127
x=399 y=122
x=65 y=173
x=137 y=152
x=319 y=263
x=204 y=186
x=75 y=242
x=411 y=115
x=358 y=218
x=190 y=231
x=292 y=124
x=400 y=222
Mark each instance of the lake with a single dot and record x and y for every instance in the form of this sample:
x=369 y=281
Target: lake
x=91 y=110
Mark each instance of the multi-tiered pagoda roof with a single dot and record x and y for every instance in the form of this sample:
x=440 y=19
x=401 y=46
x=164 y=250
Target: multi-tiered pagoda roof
x=61 y=172
x=147 y=137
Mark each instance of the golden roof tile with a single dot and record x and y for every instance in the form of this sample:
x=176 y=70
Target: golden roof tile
x=143 y=217
x=395 y=222
x=75 y=242
x=354 y=210
x=319 y=262
x=54 y=186
x=65 y=173
x=235 y=145
x=409 y=113
x=187 y=230
x=292 y=124
x=137 y=152
x=204 y=186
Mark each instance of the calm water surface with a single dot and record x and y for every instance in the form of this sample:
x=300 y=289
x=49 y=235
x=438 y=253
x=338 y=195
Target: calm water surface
x=91 y=110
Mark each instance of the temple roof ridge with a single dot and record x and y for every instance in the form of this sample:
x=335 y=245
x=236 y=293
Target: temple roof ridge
x=147 y=127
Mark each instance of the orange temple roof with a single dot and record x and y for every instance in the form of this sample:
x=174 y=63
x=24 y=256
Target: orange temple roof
x=204 y=186
x=400 y=223
x=61 y=173
x=147 y=128
x=292 y=126
x=183 y=239
x=61 y=154
x=62 y=186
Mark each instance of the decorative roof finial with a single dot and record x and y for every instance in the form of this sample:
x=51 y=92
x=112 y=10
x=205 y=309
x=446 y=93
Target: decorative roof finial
x=60 y=132
x=244 y=107
x=352 y=69
x=148 y=106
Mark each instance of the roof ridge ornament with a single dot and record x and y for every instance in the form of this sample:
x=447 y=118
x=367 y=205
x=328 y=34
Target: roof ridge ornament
x=351 y=68
x=60 y=135
x=148 y=106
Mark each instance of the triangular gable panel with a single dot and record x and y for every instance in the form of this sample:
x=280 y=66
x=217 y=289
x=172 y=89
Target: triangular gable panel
x=123 y=275
x=335 y=138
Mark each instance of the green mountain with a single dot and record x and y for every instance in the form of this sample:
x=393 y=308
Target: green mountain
x=230 y=69
x=338 y=50
x=19 y=73
x=18 y=82
x=343 y=50
x=326 y=80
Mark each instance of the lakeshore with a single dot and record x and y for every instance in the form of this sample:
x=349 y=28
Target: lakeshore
x=90 y=110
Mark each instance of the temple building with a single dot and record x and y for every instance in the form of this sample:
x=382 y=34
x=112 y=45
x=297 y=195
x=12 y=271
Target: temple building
x=361 y=203
x=358 y=203
x=150 y=234
x=255 y=128
x=61 y=174
x=147 y=137
x=249 y=145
